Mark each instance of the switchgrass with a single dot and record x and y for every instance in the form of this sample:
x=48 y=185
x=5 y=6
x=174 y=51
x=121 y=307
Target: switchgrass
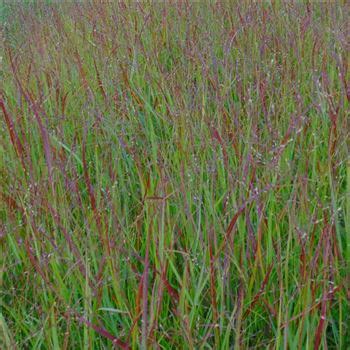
x=175 y=175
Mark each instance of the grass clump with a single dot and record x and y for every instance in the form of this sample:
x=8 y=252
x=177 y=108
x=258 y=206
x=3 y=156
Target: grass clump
x=175 y=175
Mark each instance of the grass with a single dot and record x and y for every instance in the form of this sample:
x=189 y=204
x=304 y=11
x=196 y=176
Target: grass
x=175 y=175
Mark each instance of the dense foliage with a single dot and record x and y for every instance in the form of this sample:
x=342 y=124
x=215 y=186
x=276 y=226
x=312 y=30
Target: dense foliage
x=175 y=175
